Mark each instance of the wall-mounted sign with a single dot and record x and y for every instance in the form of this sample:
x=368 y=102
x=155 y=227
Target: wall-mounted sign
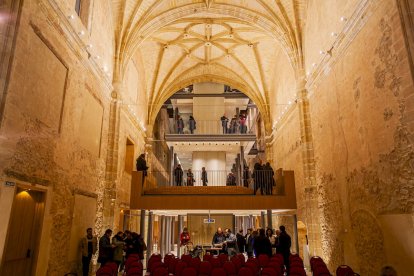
x=9 y=184
x=209 y=220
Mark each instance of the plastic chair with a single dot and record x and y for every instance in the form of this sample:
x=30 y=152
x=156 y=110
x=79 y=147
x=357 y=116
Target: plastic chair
x=189 y=271
x=218 y=271
x=245 y=271
x=179 y=267
x=205 y=268
x=223 y=258
x=263 y=260
x=230 y=268
x=160 y=271
x=344 y=270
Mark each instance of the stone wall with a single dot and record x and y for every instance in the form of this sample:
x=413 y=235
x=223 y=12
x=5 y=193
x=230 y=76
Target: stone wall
x=362 y=126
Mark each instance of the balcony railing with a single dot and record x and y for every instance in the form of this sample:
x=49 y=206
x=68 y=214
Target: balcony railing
x=263 y=181
x=214 y=127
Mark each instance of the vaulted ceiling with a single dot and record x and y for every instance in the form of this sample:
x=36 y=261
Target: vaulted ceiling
x=186 y=41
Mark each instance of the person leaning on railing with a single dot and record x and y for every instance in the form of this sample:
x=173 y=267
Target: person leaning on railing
x=178 y=175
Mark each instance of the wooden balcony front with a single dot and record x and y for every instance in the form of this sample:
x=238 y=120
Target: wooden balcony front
x=153 y=196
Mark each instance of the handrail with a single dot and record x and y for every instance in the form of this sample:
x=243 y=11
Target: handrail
x=230 y=126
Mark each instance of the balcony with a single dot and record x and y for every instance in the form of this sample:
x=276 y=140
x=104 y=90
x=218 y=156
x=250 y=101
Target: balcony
x=214 y=127
x=157 y=193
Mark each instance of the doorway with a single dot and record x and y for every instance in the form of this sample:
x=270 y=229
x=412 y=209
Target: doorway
x=23 y=236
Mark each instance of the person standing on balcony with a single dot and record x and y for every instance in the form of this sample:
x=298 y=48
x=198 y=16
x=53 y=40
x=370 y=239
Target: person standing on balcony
x=269 y=180
x=224 y=121
x=258 y=177
x=233 y=125
x=180 y=125
x=142 y=166
x=190 y=178
x=204 y=176
x=243 y=127
x=246 y=174
x=192 y=123
x=178 y=175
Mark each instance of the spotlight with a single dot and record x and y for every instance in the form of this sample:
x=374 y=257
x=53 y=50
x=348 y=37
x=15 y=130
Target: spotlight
x=321 y=52
x=89 y=46
x=314 y=64
x=81 y=33
x=71 y=16
x=334 y=34
x=307 y=73
x=343 y=18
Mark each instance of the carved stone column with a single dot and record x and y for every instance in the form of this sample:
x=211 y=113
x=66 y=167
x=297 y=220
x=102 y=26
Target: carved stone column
x=310 y=189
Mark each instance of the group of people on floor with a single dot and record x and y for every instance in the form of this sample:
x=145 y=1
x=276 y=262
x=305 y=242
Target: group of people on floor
x=254 y=242
x=238 y=124
x=116 y=248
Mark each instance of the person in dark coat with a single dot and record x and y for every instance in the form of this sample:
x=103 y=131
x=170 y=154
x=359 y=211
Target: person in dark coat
x=285 y=242
x=246 y=177
x=224 y=122
x=218 y=240
x=262 y=244
x=249 y=242
x=258 y=177
x=204 y=176
x=180 y=125
x=178 y=175
x=231 y=180
x=241 y=241
x=192 y=124
x=105 y=248
x=269 y=178
x=142 y=166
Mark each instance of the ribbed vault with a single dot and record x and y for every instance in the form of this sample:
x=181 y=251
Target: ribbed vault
x=228 y=41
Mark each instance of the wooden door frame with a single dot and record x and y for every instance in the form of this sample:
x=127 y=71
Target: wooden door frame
x=22 y=186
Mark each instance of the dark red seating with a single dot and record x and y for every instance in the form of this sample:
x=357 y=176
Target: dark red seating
x=218 y=271
x=179 y=267
x=230 y=268
x=109 y=269
x=134 y=271
x=253 y=266
x=263 y=260
x=297 y=271
x=168 y=258
x=245 y=271
x=205 y=268
x=207 y=257
x=215 y=262
x=195 y=263
x=160 y=271
x=151 y=267
x=186 y=258
x=237 y=262
x=189 y=271
x=344 y=270
x=269 y=271
x=223 y=258
x=171 y=265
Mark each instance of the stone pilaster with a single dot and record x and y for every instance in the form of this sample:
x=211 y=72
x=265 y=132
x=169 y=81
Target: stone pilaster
x=311 y=196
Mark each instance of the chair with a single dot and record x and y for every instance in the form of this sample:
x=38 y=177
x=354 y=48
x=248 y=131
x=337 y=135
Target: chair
x=133 y=264
x=186 y=258
x=297 y=271
x=205 y=268
x=344 y=270
x=104 y=271
x=172 y=264
x=230 y=268
x=297 y=263
x=269 y=271
x=168 y=258
x=276 y=265
x=253 y=266
x=237 y=263
x=215 y=262
x=189 y=271
x=134 y=271
x=320 y=269
x=154 y=266
x=241 y=258
x=263 y=260
x=160 y=271
x=179 y=267
x=207 y=257
x=223 y=258
x=195 y=263
x=218 y=271
x=245 y=271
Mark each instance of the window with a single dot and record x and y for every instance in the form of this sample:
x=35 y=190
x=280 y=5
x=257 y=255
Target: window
x=78 y=7
x=83 y=9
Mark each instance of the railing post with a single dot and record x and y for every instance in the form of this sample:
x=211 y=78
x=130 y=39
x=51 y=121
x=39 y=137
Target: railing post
x=172 y=161
x=142 y=224
x=262 y=219
x=149 y=235
x=269 y=219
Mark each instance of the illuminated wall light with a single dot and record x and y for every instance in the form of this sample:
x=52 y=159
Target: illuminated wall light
x=343 y=18
x=89 y=46
x=81 y=33
x=334 y=34
x=71 y=16
x=307 y=73
x=290 y=102
x=321 y=52
x=105 y=68
x=97 y=57
x=313 y=64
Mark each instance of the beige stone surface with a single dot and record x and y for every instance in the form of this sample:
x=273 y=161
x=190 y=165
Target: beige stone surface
x=75 y=91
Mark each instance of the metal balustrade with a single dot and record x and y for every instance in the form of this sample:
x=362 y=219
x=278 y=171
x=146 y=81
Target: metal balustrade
x=263 y=180
x=215 y=127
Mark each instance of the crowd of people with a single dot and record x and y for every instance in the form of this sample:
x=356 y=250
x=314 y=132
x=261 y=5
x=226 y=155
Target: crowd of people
x=262 y=177
x=236 y=125
x=116 y=248
x=254 y=242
